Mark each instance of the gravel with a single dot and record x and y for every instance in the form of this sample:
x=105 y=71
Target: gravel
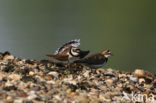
x=31 y=81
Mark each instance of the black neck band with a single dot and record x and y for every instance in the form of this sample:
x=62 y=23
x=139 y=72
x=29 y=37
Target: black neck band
x=72 y=53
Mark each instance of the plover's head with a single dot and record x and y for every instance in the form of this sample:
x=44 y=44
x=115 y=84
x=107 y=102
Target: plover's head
x=106 y=53
x=74 y=51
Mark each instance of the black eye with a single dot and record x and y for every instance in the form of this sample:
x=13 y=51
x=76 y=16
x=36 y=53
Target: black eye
x=108 y=51
x=74 y=50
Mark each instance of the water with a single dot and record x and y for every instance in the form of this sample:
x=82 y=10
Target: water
x=32 y=29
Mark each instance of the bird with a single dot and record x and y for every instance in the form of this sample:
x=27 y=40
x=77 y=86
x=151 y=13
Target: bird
x=96 y=60
x=69 y=51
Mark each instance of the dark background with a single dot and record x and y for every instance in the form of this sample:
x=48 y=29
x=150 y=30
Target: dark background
x=33 y=28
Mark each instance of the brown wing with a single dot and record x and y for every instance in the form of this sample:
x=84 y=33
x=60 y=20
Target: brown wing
x=94 y=59
x=59 y=57
x=65 y=52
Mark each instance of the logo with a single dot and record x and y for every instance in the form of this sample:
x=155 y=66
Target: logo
x=137 y=97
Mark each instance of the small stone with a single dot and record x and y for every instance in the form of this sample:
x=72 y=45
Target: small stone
x=1 y=76
x=131 y=87
x=118 y=89
x=100 y=70
x=139 y=73
x=104 y=88
x=122 y=75
x=83 y=99
x=18 y=100
x=141 y=80
x=86 y=74
x=57 y=97
x=40 y=73
x=9 y=57
x=133 y=78
x=68 y=91
x=51 y=82
x=47 y=77
x=20 y=63
x=32 y=95
x=147 y=86
x=109 y=70
x=31 y=73
x=109 y=82
x=120 y=85
x=55 y=74
x=9 y=99
x=15 y=77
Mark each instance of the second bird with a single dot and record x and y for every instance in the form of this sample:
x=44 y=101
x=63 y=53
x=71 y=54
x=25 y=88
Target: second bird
x=96 y=60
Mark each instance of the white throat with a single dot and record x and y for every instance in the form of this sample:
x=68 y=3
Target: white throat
x=107 y=56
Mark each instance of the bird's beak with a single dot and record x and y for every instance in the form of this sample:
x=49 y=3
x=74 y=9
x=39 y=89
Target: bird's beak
x=111 y=54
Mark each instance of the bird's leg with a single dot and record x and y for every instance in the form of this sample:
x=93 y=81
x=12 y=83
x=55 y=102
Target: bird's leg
x=68 y=63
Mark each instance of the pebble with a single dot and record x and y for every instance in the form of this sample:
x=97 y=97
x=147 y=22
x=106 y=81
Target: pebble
x=9 y=99
x=8 y=57
x=15 y=77
x=55 y=74
x=18 y=100
x=139 y=73
x=141 y=80
x=131 y=87
x=133 y=78
x=100 y=70
x=2 y=76
x=109 y=82
x=83 y=99
x=51 y=82
x=86 y=74
x=31 y=73
x=32 y=95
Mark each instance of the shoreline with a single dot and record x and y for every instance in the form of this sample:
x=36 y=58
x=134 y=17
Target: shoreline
x=31 y=81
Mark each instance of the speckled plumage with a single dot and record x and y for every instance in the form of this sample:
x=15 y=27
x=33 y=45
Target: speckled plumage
x=72 y=43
